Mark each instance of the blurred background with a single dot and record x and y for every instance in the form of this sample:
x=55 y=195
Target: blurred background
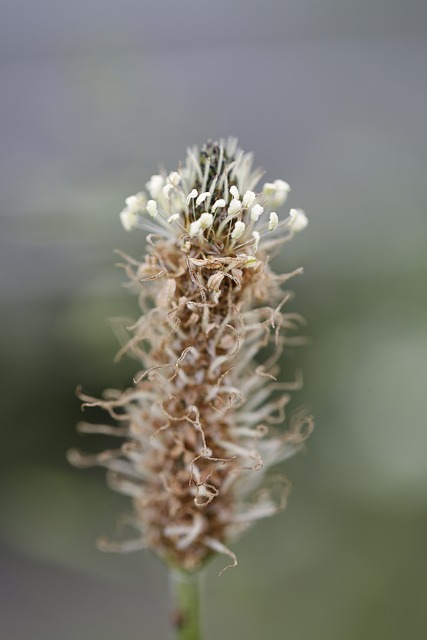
x=330 y=95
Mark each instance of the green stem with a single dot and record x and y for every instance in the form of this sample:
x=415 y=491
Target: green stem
x=186 y=605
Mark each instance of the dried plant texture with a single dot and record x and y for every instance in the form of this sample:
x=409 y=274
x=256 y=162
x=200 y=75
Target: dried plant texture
x=204 y=420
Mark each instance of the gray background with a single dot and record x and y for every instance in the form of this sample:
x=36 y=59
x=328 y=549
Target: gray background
x=329 y=95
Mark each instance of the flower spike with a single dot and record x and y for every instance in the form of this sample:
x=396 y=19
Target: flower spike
x=206 y=417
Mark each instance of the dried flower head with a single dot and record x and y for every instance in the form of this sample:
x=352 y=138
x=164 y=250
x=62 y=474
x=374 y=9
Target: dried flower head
x=202 y=423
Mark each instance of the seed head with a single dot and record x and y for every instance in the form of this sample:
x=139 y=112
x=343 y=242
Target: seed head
x=203 y=422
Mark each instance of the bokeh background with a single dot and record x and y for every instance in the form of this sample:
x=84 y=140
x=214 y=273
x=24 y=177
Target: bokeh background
x=330 y=95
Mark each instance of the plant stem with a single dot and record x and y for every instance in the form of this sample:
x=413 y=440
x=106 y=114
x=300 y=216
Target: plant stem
x=186 y=605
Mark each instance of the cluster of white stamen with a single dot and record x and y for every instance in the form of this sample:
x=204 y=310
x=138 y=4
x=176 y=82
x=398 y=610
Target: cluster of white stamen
x=212 y=210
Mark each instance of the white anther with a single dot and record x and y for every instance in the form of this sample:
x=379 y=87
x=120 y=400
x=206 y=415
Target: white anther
x=205 y=220
x=155 y=185
x=235 y=206
x=132 y=202
x=195 y=228
x=256 y=236
x=248 y=199
x=174 y=178
x=277 y=191
x=299 y=220
x=202 y=197
x=173 y=217
x=256 y=211
x=239 y=230
x=282 y=188
x=128 y=218
x=152 y=208
x=137 y=202
x=166 y=189
x=268 y=189
x=273 y=221
x=191 y=195
x=234 y=192
x=218 y=204
x=251 y=261
x=281 y=195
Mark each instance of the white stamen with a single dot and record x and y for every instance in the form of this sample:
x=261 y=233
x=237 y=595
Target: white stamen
x=234 y=192
x=218 y=204
x=128 y=218
x=251 y=261
x=273 y=221
x=132 y=202
x=191 y=195
x=268 y=189
x=256 y=236
x=195 y=228
x=202 y=197
x=173 y=217
x=276 y=191
x=248 y=199
x=152 y=208
x=235 y=206
x=239 y=230
x=256 y=211
x=206 y=220
x=166 y=189
x=155 y=185
x=282 y=191
x=137 y=202
x=299 y=220
x=174 y=178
